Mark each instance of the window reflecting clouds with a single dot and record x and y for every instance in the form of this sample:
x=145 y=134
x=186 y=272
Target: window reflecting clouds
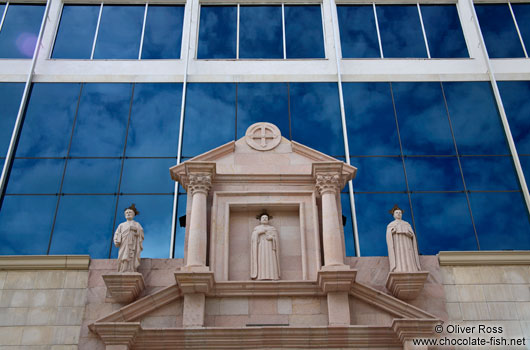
x=358 y=32
x=348 y=225
x=25 y=224
x=120 y=32
x=370 y=118
x=260 y=32
x=522 y=15
x=498 y=30
x=442 y=222
x=262 y=102
x=163 y=32
x=147 y=176
x=218 y=32
x=84 y=226
x=433 y=174
x=76 y=31
x=489 y=173
x=92 y=176
x=517 y=107
x=315 y=117
x=376 y=174
x=303 y=32
x=10 y=95
x=25 y=171
x=209 y=117
x=20 y=30
x=401 y=34
x=443 y=30
x=180 y=231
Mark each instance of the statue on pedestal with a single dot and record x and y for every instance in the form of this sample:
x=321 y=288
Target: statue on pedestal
x=129 y=237
x=401 y=243
x=264 y=253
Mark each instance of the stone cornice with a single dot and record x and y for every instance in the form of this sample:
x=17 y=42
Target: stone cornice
x=44 y=262
x=484 y=257
x=265 y=288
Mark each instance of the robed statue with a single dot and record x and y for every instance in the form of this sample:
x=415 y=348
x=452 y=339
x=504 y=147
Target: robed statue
x=401 y=243
x=129 y=237
x=264 y=252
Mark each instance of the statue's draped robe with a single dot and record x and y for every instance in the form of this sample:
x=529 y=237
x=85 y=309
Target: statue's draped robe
x=264 y=254
x=130 y=245
x=402 y=249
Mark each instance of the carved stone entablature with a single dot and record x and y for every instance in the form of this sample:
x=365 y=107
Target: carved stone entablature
x=328 y=182
x=199 y=182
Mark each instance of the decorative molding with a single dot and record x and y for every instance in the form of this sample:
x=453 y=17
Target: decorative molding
x=336 y=281
x=485 y=257
x=124 y=287
x=142 y=306
x=118 y=333
x=414 y=328
x=406 y=285
x=265 y=288
x=271 y=337
x=44 y=262
x=388 y=303
x=195 y=282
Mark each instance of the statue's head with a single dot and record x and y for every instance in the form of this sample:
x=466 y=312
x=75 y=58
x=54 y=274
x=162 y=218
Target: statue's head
x=263 y=218
x=131 y=212
x=396 y=212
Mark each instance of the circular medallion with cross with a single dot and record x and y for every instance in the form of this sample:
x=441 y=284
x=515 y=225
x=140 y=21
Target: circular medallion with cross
x=263 y=136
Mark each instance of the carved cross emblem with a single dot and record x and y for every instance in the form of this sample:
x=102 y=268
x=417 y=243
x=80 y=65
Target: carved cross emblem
x=263 y=136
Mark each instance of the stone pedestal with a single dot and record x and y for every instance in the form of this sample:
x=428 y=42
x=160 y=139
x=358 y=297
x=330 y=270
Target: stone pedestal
x=406 y=285
x=124 y=287
x=194 y=284
x=117 y=335
x=337 y=282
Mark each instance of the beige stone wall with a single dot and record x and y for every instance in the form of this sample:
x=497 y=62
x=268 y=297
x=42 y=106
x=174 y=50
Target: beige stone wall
x=41 y=310
x=248 y=311
x=489 y=295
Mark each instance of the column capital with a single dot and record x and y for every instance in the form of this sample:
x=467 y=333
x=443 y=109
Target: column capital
x=196 y=177
x=331 y=176
x=199 y=183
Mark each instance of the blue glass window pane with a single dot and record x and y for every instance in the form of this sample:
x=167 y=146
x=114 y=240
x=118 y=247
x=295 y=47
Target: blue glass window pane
x=422 y=116
x=48 y=122
x=315 y=117
x=25 y=172
x=101 y=120
x=147 y=176
x=10 y=96
x=260 y=32
x=84 y=226
x=489 y=173
x=120 y=31
x=20 y=30
x=370 y=118
x=155 y=218
x=18 y=235
x=522 y=16
x=155 y=119
x=348 y=226
x=180 y=231
x=501 y=220
x=358 y=33
x=442 y=222
x=92 y=176
x=76 y=31
x=209 y=117
x=499 y=31
x=475 y=119
x=443 y=30
x=401 y=34
x=217 y=32
x=525 y=164
x=373 y=217
x=262 y=102
x=303 y=32
x=379 y=174
x=517 y=106
x=163 y=32
x=434 y=174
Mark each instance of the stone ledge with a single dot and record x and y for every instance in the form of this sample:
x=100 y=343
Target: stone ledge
x=195 y=282
x=44 y=262
x=124 y=287
x=484 y=257
x=406 y=285
x=337 y=280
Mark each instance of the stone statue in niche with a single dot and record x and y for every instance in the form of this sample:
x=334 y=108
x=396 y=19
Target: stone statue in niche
x=401 y=243
x=264 y=251
x=129 y=237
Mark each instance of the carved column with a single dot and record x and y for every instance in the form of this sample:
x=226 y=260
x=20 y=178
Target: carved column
x=200 y=183
x=329 y=183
